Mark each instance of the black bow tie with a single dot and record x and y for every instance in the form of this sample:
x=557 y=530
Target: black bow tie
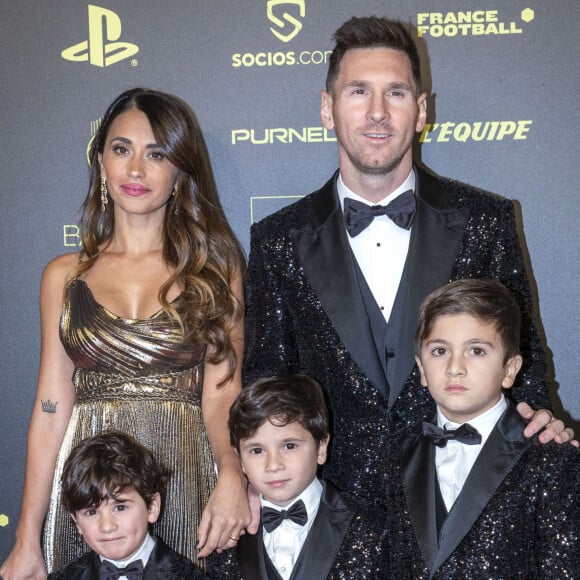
x=133 y=571
x=464 y=434
x=272 y=518
x=358 y=215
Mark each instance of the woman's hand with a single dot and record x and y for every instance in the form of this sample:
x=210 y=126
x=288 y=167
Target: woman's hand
x=226 y=514
x=25 y=562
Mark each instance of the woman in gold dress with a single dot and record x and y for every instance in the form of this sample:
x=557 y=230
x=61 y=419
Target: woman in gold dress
x=143 y=332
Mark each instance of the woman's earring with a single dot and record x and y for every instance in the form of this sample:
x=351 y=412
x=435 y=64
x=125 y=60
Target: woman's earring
x=104 y=192
x=174 y=196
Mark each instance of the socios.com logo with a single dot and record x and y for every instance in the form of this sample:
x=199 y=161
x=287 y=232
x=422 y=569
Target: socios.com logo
x=287 y=28
x=102 y=48
x=289 y=21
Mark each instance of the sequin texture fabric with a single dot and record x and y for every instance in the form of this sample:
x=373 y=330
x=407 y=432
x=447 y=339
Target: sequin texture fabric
x=529 y=528
x=288 y=330
x=347 y=541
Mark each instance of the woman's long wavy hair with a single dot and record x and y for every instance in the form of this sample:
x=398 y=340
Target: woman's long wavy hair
x=199 y=245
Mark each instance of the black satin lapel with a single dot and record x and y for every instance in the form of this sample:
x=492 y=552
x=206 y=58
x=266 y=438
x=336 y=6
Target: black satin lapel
x=324 y=253
x=89 y=572
x=159 y=565
x=433 y=247
x=324 y=538
x=418 y=469
x=151 y=571
x=495 y=461
x=251 y=556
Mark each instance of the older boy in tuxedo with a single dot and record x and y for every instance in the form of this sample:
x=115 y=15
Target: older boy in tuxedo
x=477 y=498
x=112 y=487
x=308 y=529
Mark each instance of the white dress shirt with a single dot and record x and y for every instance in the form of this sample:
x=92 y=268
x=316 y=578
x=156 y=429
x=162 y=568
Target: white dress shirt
x=454 y=461
x=284 y=544
x=142 y=554
x=381 y=248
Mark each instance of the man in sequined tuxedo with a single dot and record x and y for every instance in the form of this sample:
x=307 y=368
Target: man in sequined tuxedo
x=476 y=499
x=341 y=307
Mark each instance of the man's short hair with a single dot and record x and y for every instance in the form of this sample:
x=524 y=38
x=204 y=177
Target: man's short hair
x=487 y=300
x=373 y=32
x=281 y=400
x=102 y=466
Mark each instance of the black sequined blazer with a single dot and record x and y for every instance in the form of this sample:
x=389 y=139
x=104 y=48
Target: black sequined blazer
x=306 y=312
x=347 y=541
x=517 y=516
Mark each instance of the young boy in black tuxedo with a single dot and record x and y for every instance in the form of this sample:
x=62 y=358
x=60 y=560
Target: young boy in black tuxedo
x=477 y=499
x=309 y=530
x=112 y=487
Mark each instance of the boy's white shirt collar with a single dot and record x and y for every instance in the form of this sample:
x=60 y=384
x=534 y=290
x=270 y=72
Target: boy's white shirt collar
x=284 y=544
x=484 y=423
x=143 y=554
x=454 y=462
x=310 y=496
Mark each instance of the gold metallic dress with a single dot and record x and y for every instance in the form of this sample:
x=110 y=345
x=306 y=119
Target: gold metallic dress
x=141 y=377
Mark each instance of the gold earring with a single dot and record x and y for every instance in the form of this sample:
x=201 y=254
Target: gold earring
x=104 y=192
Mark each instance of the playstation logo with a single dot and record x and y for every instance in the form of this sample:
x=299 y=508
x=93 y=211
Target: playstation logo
x=102 y=48
x=300 y=5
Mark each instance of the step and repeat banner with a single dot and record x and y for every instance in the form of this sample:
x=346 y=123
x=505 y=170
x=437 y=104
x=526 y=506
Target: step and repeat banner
x=503 y=82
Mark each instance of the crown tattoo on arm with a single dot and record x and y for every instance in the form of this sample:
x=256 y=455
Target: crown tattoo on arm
x=48 y=406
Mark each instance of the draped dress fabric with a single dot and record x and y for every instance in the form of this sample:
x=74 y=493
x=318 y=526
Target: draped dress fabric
x=142 y=377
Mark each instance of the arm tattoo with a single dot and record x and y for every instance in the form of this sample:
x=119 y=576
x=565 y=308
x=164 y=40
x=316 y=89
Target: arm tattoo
x=48 y=406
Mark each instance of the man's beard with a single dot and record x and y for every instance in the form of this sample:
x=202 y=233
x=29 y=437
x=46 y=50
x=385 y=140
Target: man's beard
x=378 y=168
